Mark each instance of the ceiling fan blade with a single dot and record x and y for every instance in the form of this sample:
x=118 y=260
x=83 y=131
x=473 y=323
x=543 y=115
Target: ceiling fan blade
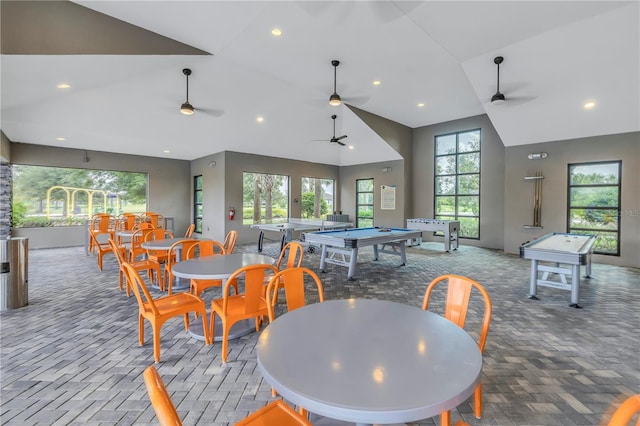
x=341 y=143
x=210 y=111
x=340 y=137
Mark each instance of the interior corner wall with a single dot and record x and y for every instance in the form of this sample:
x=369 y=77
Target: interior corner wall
x=396 y=176
x=168 y=190
x=212 y=168
x=236 y=163
x=492 y=195
x=554 y=168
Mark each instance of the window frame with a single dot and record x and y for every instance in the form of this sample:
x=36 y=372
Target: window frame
x=333 y=193
x=373 y=200
x=456 y=195
x=618 y=209
x=196 y=191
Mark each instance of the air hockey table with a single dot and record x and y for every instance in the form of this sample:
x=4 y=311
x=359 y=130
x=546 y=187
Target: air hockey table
x=340 y=247
x=559 y=248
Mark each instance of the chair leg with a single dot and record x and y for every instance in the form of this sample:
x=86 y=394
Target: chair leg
x=208 y=339
x=445 y=418
x=477 y=401
x=212 y=329
x=226 y=326
x=140 y=330
x=186 y=322
x=156 y=342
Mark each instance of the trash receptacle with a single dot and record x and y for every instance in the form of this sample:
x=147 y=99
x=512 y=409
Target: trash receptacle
x=14 y=283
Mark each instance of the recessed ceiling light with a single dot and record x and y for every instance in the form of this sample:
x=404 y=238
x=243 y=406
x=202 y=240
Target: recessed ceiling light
x=376 y=83
x=276 y=32
x=63 y=86
x=351 y=147
x=260 y=119
x=60 y=139
x=589 y=105
x=420 y=105
x=166 y=151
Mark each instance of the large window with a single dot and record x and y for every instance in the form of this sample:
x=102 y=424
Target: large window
x=594 y=203
x=364 y=203
x=457 y=180
x=265 y=198
x=197 y=203
x=55 y=196
x=317 y=197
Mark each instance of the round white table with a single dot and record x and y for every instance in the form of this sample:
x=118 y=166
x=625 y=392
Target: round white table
x=165 y=244
x=369 y=361
x=219 y=267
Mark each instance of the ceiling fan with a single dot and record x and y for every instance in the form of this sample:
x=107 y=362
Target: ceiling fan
x=333 y=139
x=498 y=97
x=334 y=100
x=187 y=109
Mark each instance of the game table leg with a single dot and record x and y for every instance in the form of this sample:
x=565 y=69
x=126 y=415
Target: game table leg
x=533 y=283
x=575 y=286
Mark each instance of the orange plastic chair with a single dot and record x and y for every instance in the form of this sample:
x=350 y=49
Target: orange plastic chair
x=458 y=295
x=135 y=248
x=183 y=245
x=156 y=219
x=625 y=412
x=250 y=304
x=159 y=256
x=160 y=399
x=139 y=265
x=229 y=242
x=100 y=224
x=291 y=256
x=190 y=230
x=207 y=248
x=292 y=280
x=158 y=311
x=104 y=248
x=275 y=413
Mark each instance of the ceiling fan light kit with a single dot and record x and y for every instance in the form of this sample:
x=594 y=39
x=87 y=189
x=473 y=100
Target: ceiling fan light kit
x=334 y=100
x=186 y=108
x=498 y=97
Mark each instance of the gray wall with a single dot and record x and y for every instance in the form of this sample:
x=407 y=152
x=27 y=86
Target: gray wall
x=492 y=178
x=222 y=186
x=348 y=176
x=5 y=148
x=518 y=206
x=169 y=191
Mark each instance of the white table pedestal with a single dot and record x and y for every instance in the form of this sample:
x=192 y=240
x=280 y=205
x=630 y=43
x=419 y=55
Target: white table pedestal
x=239 y=329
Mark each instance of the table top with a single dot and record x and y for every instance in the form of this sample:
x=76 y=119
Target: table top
x=302 y=225
x=219 y=266
x=561 y=242
x=356 y=237
x=369 y=361
x=164 y=244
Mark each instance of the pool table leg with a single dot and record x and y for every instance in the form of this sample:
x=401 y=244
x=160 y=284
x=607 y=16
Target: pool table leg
x=575 y=286
x=323 y=258
x=260 y=241
x=375 y=252
x=354 y=260
x=533 y=283
x=403 y=253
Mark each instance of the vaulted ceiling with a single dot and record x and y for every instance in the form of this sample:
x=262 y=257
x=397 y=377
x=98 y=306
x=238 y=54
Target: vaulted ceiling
x=124 y=61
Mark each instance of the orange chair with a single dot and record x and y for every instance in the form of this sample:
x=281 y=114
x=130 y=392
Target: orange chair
x=229 y=242
x=100 y=224
x=276 y=413
x=207 y=248
x=160 y=399
x=190 y=230
x=104 y=248
x=159 y=256
x=125 y=222
x=457 y=301
x=158 y=311
x=156 y=219
x=250 y=304
x=138 y=236
x=625 y=413
x=183 y=245
x=291 y=256
x=292 y=280
x=138 y=265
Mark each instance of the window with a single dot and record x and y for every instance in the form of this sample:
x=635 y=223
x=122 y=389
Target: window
x=317 y=197
x=457 y=180
x=265 y=198
x=364 y=203
x=197 y=203
x=56 y=196
x=594 y=203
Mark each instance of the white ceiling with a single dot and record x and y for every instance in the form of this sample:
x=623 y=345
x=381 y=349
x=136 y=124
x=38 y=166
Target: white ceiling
x=558 y=55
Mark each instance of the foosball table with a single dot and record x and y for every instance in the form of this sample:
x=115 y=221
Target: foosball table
x=450 y=228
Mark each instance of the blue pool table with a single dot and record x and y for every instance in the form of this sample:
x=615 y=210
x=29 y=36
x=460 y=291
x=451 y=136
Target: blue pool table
x=341 y=247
